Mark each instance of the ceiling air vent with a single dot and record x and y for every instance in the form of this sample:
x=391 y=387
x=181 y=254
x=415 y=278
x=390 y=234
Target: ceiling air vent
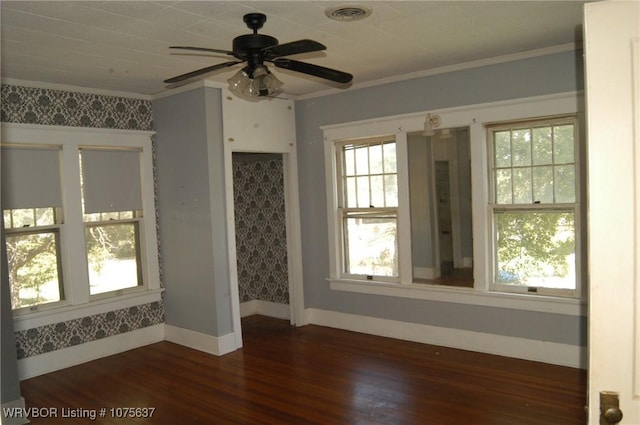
x=348 y=13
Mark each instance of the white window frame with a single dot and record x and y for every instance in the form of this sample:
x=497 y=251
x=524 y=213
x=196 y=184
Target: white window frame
x=346 y=211
x=474 y=117
x=574 y=207
x=78 y=302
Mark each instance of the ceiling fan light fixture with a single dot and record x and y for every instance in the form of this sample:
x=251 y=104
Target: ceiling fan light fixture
x=258 y=82
x=263 y=82
x=348 y=12
x=239 y=82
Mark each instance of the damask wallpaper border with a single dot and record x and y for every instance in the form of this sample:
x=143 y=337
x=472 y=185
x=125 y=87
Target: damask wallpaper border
x=56 y=336
x=31 y=105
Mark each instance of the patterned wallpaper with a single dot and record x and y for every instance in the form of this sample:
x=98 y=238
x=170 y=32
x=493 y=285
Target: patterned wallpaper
x=261 y=237
x=28 y=105
x=60 y=335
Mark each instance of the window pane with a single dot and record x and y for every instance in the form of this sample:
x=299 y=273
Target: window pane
x=370 y=245
x=390 y=162
x=44 y=216
x=112 y=252
x=503 y=187
x=502 y=143
x=109 y=216
x=34 y=269
x=542 y=151
x=362 y=160
x=23 y=218
x=563 y=144
x=391 y=190
x=363 y=192
x=543 y=185
x=535 y=249
x=375 y=159
x=522 y=186
x=565 y=183
x=377 y=191
x=349 y=162
x=351 y=197
x=521 y=141
x=92 y=217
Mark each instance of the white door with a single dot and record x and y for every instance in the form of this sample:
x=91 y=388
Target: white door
x=612 y=40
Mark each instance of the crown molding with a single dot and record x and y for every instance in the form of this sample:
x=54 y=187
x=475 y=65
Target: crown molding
x=448 y=68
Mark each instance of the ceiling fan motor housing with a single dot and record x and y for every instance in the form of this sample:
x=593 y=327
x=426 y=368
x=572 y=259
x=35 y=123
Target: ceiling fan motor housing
x=249 y=43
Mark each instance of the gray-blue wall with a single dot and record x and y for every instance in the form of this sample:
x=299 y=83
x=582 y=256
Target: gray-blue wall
x=191 y=206
x=556 y=73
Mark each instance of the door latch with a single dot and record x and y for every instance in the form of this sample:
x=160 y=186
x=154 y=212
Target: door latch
x=610 y=413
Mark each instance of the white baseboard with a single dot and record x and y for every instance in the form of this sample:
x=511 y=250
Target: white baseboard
x=60 y=359
x=217 y=345
x=425 y=273
x=265 y=308
x=10 y=405
x=526 y=349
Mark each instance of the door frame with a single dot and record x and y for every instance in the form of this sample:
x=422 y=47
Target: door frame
x=294 y=249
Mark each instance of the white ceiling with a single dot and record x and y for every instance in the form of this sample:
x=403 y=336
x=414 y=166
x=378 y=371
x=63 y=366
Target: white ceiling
x=123 y=45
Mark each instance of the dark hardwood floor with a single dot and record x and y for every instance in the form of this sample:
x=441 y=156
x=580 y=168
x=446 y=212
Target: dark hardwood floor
x=313 y=375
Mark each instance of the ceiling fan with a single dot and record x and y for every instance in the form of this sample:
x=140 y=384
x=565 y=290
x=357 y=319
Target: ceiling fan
x=255 y=49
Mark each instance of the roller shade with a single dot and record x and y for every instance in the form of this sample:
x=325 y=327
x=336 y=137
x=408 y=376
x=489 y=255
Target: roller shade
x=30 y=177
x=111 y=180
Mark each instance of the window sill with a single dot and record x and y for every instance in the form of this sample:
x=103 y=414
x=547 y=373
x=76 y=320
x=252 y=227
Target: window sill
x=539 y=303
x=63 y=313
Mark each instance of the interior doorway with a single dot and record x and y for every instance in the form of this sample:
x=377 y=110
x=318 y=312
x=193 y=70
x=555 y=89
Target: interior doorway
x=260 y=218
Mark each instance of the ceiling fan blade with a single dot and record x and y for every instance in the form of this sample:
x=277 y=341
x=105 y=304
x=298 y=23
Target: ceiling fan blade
x=200 y=72
x=315 y=70
x=292 y=48
x=203 y=49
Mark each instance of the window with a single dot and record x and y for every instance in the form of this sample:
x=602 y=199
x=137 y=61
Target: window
x=112 y=212
x=368 y=205
x=534 y=205
x=482 y=210
x=33 y=253
x=32 y=204
x=79 y=218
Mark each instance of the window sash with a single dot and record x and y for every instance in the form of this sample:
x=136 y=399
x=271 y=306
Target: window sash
x=54 y=230
x=530 y=172
x=368 y=217
x=137 y=255
x=359 y=177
